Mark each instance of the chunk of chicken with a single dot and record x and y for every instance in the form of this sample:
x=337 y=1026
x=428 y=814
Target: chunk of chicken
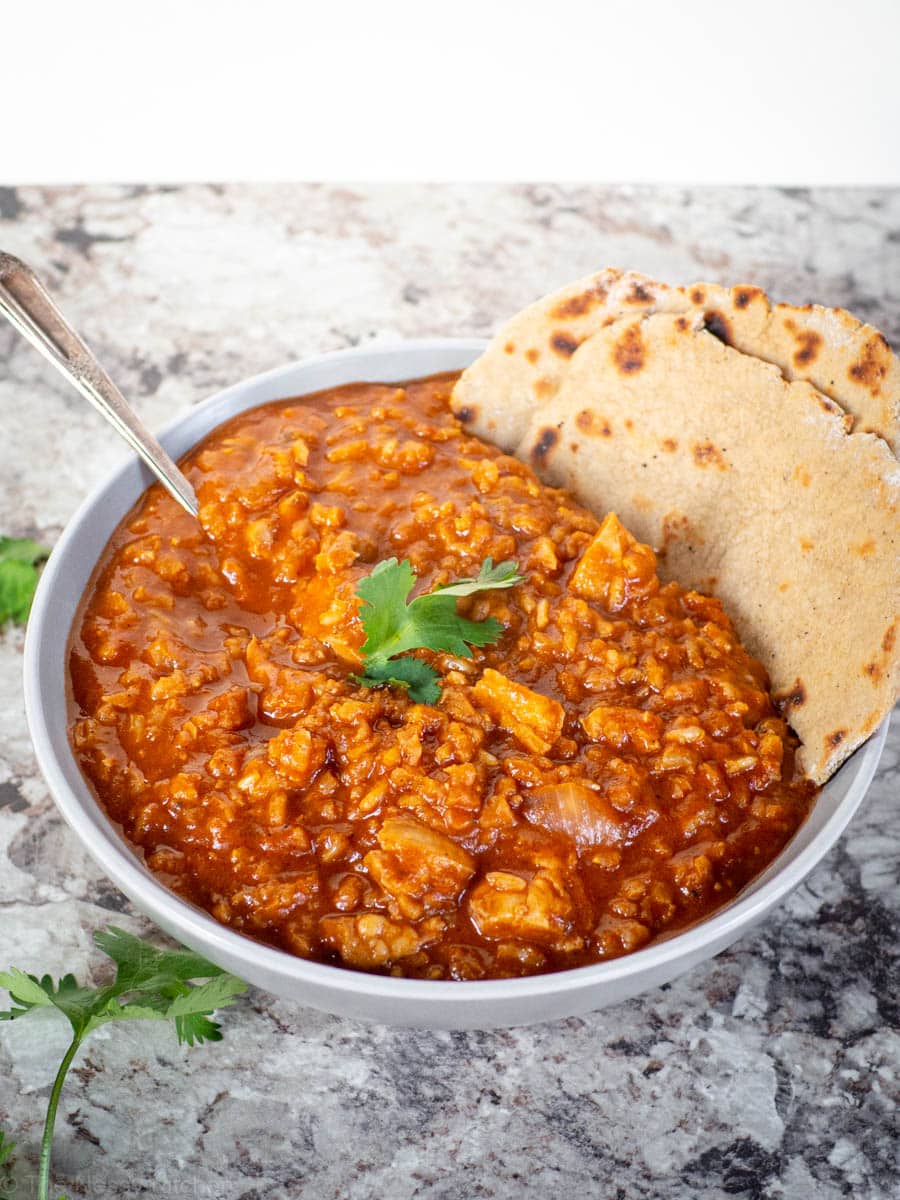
x=534 y=720
x=623 y=727
x=326 y=608
x=535 y=907
x=372 y=940
x=420 y=867
x=296 y=754
x=615 y=567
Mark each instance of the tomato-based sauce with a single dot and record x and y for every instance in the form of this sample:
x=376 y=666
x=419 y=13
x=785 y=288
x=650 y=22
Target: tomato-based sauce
x=610 y=770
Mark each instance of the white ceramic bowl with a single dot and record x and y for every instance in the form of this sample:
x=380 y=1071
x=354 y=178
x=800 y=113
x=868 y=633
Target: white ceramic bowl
x=445 y=1005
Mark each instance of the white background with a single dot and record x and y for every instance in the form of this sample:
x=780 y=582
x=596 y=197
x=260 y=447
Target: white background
x=777 y=91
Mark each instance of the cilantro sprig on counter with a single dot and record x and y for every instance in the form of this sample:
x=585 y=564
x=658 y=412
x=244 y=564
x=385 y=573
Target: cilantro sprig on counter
x=7 y=1150
x=150 y=984
x=395 y=625
x=19 y=560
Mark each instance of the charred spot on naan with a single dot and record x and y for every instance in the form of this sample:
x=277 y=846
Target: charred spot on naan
x=708 y=455
x=879 y=667
x=467 y=414
x=532 y=354
x=808 y=345
x=639 y=294
x=629 y=351
x=545 y=443
x=670 y=445
x=808 y=342
x=593 y=424
x=794 y=697
x=745 y=295
x=564 y=344
x=873 y=363
x=890 y=637
x=716 y=323
x=581 y=304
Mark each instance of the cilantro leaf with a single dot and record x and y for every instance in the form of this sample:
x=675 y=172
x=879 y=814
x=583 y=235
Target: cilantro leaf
x=18 y=581
x=194 y=1028
x=419 y=680
x=80 y=1005
x=504 y=575
x=26 y=990
x=7 y=1149
x=207 y=997
x=191 y=1010
x=18 y=576
x=383 y=611
x=150 y=985
x=22 y=550
x=394 y=624
x=138 y=962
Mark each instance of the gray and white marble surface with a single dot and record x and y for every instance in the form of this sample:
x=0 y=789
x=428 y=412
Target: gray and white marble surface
x=770 y=1072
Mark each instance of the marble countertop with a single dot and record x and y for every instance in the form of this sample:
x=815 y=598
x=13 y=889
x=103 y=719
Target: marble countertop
x=770 y=1072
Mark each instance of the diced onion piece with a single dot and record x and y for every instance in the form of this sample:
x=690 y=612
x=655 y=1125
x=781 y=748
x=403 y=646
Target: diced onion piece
x=575 y=810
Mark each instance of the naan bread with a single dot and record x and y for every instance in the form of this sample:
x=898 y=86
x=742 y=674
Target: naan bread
x=752 y=487
x=527 y=361
x=848 y=361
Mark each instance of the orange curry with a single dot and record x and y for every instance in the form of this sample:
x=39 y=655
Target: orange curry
x=610 y=770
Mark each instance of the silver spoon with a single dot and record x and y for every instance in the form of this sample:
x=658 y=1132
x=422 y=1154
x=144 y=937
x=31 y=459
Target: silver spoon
x=25 y=302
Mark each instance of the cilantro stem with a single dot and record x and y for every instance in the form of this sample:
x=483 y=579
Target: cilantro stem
x=43 y=1189
x=150 y=985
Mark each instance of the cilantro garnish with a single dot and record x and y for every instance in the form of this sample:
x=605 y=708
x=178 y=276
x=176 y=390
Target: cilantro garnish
x=19 y=559
x=150 y=984
x=7 y=1149
x=394 y=626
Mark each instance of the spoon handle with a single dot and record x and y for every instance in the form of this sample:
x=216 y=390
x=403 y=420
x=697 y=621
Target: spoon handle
x=26 y=304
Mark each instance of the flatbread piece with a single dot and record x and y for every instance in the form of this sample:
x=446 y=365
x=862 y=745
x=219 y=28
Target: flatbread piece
x=751 y=486
x=528 y=359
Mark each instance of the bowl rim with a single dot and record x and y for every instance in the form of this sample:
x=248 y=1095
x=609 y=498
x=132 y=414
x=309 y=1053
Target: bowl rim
x=121 y=863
